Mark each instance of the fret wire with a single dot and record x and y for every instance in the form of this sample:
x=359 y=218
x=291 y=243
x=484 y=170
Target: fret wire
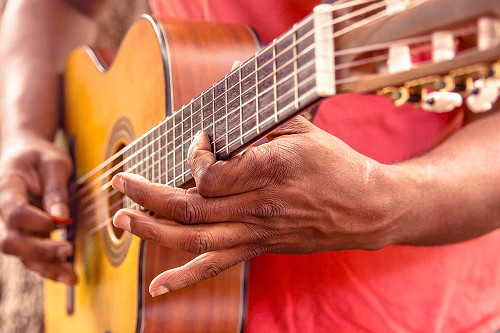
x=274 y=83
x=174 y=148
x=213 y=117
x=191 y=120
x=295 y=73
x=256 y=94
x=153 y=160
x=227 y=119
x=202 y=118
x=241 y=104
x=182 y=142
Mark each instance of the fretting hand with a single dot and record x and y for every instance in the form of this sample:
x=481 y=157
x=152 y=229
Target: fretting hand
x=304 y=191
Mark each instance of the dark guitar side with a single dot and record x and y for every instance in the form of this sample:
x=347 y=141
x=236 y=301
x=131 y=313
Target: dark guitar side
x=198 y=55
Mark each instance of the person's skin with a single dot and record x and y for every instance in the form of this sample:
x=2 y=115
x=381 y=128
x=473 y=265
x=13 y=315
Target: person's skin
x=36 y=38
x=305 y=191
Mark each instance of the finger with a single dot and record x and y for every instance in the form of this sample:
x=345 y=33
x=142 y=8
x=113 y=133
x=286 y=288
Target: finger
x=184 y=206
x=191 y=238
x=15 y=208
x=35 y=249
x=205 y=266
x=55 y=174
x=57 y=271
x=249 y=171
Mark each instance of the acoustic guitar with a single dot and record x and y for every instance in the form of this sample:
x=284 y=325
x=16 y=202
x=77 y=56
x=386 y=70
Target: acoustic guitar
x=137 y=111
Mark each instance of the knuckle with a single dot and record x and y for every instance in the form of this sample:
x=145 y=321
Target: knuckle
x=149 y=232
x=135 y=193
x=262 y=249
x=207 y=182
x=199 y=242
x=185 y=211
x=15 y=214
x=210 y=270
x=267 y=209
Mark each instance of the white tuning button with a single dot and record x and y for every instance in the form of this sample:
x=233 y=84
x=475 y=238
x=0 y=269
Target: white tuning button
x=484 y=94
x=399 y=59
x=443 y=46
x=441 y=101
x=488 y=33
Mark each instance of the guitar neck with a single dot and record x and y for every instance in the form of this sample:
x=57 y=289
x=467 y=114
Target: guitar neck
x=321 y=55
x=280 y=81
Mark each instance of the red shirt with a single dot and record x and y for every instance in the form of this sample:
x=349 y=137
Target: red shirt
x=453 y=288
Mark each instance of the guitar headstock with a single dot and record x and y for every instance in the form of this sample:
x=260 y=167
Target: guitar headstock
x=431 y=52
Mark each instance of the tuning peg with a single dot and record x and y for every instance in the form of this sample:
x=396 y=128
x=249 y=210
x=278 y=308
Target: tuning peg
x=441 y=101
x=484 y=94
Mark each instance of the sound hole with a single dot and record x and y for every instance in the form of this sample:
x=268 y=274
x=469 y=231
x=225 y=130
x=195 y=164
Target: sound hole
x=115 y=198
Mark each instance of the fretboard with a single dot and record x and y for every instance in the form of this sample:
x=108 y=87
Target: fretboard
x=277 y=83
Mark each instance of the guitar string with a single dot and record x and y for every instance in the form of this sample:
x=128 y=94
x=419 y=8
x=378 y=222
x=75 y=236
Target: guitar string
x=103 y=224
x=295 y=29
x=463 y=32
x=156 y=163
x=139 y=163
x=173 y=181
x=119 y=154
x=103 y=188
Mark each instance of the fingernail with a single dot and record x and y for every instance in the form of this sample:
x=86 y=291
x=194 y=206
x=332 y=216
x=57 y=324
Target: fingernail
x=59 y=211
x=193 y=143
x=64 y=252
x=122 y=220
x=160 y=290
x=117 y=183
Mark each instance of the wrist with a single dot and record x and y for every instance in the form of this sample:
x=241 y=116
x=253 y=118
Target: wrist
x=394 y=194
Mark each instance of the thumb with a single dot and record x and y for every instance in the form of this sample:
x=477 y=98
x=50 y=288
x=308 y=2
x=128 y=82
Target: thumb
x=296 y=125
x=55 y=175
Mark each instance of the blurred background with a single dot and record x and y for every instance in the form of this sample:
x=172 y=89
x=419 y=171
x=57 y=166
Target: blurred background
x=21 y=297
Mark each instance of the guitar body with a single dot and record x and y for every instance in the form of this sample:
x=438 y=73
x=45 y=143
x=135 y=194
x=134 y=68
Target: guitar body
x=160 y=66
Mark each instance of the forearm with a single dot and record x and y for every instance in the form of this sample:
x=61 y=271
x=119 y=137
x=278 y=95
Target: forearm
x=452 y=193
x=35 y=40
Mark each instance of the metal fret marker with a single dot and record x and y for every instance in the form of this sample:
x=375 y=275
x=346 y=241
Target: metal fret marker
x=213 y=117
x=191 y=120
x=182 y=142
x=295 y=71
x=227 y=119
x=174 y=148
x=201 y=110
x=274 y=83
x=153 y=164
x=241 y=105
x=257 y=94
